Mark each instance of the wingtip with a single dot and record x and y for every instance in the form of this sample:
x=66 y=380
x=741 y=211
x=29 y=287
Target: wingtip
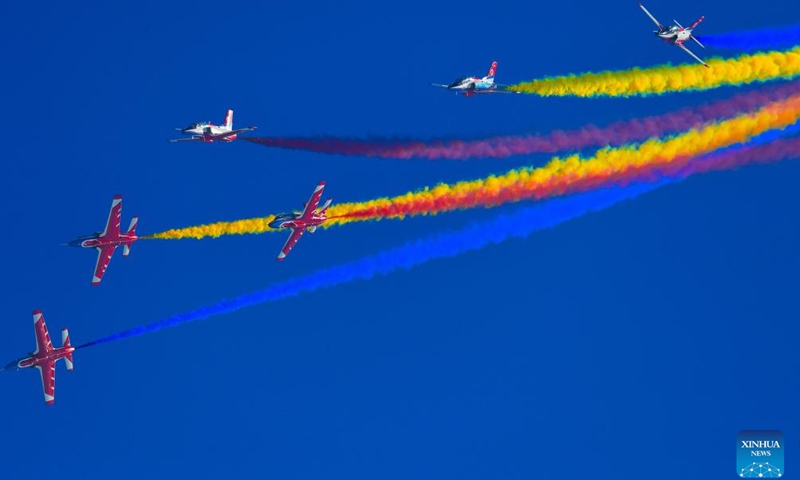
x=38 y=311
x=117 y=197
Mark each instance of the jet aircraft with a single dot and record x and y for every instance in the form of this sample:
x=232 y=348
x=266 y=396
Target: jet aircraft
x=676 y=34
x=471 y=86
x=44 y=358
x=207 y=132
x=299 y=222
x=107 y=241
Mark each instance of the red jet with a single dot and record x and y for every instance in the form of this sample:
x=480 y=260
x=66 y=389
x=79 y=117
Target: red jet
x=44 y=358
x=107 y=241
x=299 y=222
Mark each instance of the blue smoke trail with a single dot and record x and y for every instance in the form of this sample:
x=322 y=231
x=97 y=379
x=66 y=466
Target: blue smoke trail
x=767 y=39
x=475 y=236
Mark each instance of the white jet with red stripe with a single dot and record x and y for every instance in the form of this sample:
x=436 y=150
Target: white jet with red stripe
x=207 y=132
x=676 y=34
x=471 y=86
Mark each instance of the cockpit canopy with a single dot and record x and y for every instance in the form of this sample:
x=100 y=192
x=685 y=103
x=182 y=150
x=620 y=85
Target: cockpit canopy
x=197 y=125
x=285 y=216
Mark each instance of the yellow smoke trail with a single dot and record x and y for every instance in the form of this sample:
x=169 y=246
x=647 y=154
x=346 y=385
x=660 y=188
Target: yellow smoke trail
x=555 y=178
x=238 y=227
x=758 y=67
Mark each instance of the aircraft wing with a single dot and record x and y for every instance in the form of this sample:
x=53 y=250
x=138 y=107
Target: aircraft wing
x=239 y=130
x=114 y=218
x=692 y=54
x=313 y=202
x=43 y=343
x=651 y=16
x=290 y=242
x=499 y=89
x=220 y=136
x=104 y=255
x=190 y=139
x=47 y=371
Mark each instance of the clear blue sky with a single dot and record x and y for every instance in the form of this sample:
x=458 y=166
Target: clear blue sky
x=614 y=343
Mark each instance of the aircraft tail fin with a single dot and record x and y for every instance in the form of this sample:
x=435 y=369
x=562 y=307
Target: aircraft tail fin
x=696 y=23
x=126 y=249
x=65 y=343
x=492 y=71
x=229 y=120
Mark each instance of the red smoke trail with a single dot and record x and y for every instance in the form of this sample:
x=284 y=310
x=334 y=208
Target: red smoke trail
x=678 y=168
x=614 y=134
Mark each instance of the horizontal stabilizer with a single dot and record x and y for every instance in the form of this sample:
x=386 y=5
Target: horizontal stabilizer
x=132 y=226
x=65 y=343
x=698 y=41
x=325 y=205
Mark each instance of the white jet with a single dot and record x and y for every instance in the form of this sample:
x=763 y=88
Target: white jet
x=207 y=132
x=676 y=34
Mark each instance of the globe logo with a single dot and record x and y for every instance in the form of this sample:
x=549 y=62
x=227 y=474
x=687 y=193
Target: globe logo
x=760 y=470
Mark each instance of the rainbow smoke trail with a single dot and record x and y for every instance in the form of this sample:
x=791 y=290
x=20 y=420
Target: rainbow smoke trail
x=473 y=237
x=755 y=68
x=615 y=134
x=769 y=38
x=573 y=174
x=560 y=176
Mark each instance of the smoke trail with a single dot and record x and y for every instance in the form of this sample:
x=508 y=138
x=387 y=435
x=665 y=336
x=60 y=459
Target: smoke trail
x=574 y=174
x=559 y=177
x=755 y=68
x=766 y=39
x=473 y=237
x=615 y=134
x=477 y=235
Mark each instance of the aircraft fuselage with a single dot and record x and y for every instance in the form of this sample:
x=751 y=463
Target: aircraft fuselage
x=206 y=131
x=40 y=358
x=293 y=221
x=674 y=34
x=95 y=241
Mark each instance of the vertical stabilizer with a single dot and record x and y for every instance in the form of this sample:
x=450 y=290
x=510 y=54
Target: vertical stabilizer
x=492 y=71
x=229 y=120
